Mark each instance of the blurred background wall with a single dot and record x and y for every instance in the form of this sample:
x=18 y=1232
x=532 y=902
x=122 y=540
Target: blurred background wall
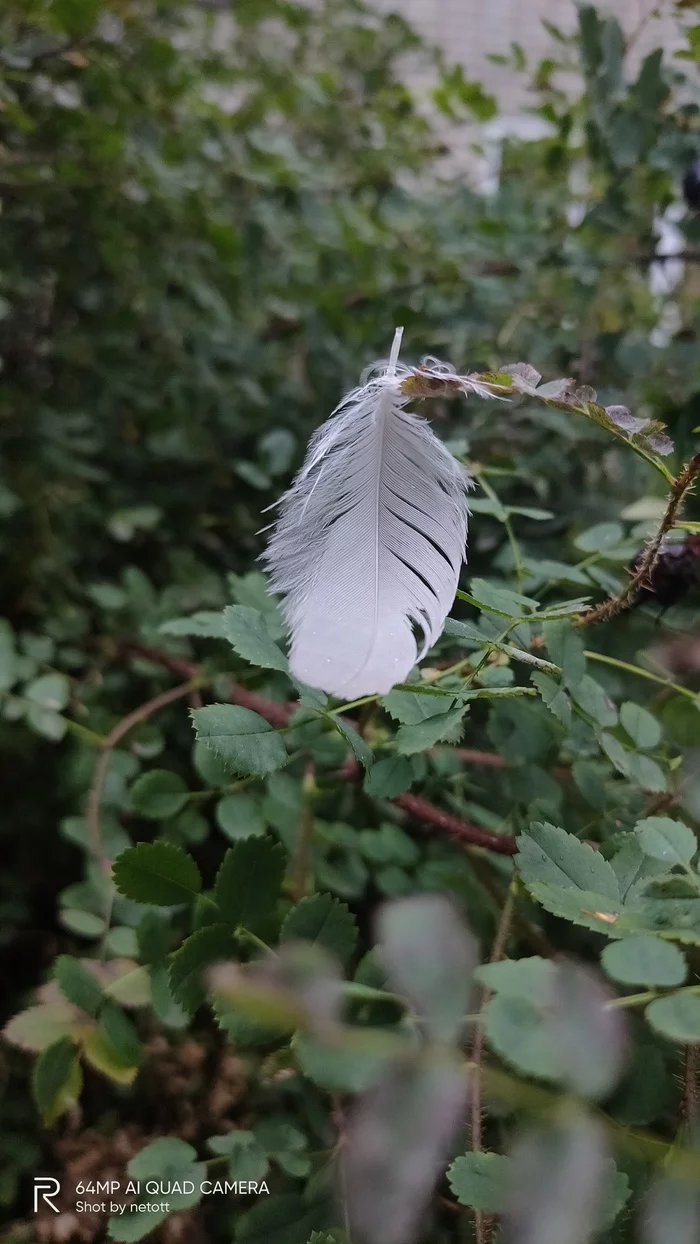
x=471 y=31
x=475 y=35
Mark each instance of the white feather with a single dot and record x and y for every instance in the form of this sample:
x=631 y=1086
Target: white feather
x=369 y=542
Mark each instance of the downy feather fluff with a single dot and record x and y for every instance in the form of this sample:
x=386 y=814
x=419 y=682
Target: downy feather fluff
x=369 y=541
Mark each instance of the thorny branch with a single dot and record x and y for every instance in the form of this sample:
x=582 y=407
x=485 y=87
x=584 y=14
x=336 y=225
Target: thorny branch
x=615 y=604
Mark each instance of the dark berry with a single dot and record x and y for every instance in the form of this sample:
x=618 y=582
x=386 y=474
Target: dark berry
x=691 y=186
x=676 y=572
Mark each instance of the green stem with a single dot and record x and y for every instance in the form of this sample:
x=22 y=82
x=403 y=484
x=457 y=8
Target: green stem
x=632 y=999
x=355 y=989
x=82 y=732
x=515 y=547
x=345 y=708
x=642 y=673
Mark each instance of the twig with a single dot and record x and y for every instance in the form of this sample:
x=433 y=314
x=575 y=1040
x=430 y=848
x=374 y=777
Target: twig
x=481 y=868
x=462 y=831
x=482 y=1222
x=109 y=743
x=177 y=665
x=615 y=604
x=490 y=760
x=275 y=712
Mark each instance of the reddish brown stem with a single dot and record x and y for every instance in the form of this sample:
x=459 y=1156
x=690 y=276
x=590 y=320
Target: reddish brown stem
x=278 y=715
x=489 y=760
x=122 y=727
x=274 y=711
x=463 y=831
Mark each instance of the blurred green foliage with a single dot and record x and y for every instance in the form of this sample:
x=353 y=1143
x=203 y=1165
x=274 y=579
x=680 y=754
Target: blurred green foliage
x=207 y=232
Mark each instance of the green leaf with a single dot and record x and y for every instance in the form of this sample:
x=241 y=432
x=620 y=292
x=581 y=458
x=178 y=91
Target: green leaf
x=240 y=737
x=158 y=873
x=429 y=956
x=50 y=691
x=240 y=816
x=122 y=1034
x=565 y=647
x=599 y=538
x=644 y=960
x=565 y=609
x=104 y=1057
x=167 y=1159
x=338 y=1068
x=40 y=1026
x=418 y=738
x=133 y=1225
x=246 y=630
x=212 y=944
x=553 y=696
x=526 y=657
x=83 y=923
x=526 y=978
x=583 y=907
x=388 y=845
x=153 y=936
x=47 y=722
x=548 y=570
x=675 y=918
x=249 y=882
x=210 y=768
x=324 y=920
x=647 y=773
x=481 y=1180
x=77 y=984
x=501 y=600
x=677 y=1016
x=159 y=794
x=469 y=632
x=592 y=698
x=286 y=1218
x=411 y=707
x=616 y=753
x=548 y=854
x=360 y=749
x=666 y=840
x=245 y=1032
x=247 y=1158
x=166 y=1010
x=285 y=1143
x=632 y=867
x=54 y=1072
x=388 y=777
x=207 y=624
x=514 y=1028
x=643 y=729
